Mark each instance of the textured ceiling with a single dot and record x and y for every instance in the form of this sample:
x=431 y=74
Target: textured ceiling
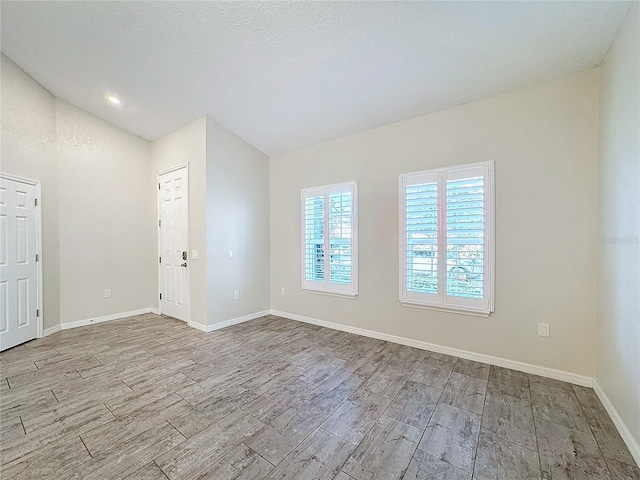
x=284 y=75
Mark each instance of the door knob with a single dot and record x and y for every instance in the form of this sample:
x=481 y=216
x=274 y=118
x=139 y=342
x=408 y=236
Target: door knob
x=184 y=264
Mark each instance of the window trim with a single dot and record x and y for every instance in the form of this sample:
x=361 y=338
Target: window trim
x=327 y=288
x=440 y=301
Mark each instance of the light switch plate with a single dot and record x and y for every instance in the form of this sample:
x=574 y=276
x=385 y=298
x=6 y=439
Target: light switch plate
x=194 y=254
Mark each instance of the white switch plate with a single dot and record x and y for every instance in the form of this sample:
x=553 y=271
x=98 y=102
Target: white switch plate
x=281 y=290
x=236 y=295
x=230 y=254
x=107 y=293
x=543 y=329
x=194 y=254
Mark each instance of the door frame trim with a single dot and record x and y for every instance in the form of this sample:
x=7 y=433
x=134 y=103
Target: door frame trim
x=162 y=172
x=39 y=281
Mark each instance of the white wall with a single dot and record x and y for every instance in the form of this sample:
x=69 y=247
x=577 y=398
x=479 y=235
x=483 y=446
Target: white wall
x=98 y=207
x=543 y=140
x=28 y=138
x=107 y=217
x=237 y=220
x=618 y=266
x=188 y=144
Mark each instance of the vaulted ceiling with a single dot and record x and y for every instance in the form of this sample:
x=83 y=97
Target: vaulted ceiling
x=284 y=75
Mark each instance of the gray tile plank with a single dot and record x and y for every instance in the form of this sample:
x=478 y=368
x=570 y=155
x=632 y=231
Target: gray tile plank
x=388 y=380
x=241 y=463
x=433 y=372
x=273 y=403
x=622 y=471
x=150 y=471
x=356 y=416
x=567 y=454
x=385 y=452
x=426 y=467
x=74 y=423
x=557 y=404
x=342 y=476
x=473 y=369
x=197 y=454
x=436 y=357
x=50 y=462
x=509 y=418
x=321 y=371
x=452 y=436
x=414 y=404
x=144 y=394
x=10 y=428
x=587 y=397
x=113 y=434
x=497 y=459
x=506 y=382
x=319 y=457
x=100 y=387
x=130 y=457
x=466 y=392
x=300 y=419
x=16 y=368
x=26 y=405
x=209 y=411
x=39 y=380
x=606 y=434
x=333 y=392
x=272 y=445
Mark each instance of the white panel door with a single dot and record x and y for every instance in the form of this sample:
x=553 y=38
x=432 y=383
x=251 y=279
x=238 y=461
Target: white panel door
x=173 y=229
x=18 y=269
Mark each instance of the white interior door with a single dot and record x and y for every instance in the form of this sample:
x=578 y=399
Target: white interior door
x=173 y=234
x=18 y=267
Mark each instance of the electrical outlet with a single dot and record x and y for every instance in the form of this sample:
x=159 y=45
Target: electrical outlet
x=281 y=290
x=107 y=293
x=543 y=329
x=195 y=254
x=236 y=295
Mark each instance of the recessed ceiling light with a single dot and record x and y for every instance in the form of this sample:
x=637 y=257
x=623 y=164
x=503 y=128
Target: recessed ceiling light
x=113 y=99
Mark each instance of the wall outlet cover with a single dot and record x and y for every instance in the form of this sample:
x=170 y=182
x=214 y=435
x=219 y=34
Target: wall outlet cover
x=543 y=329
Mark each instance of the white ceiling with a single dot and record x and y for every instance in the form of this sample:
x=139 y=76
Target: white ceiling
x=284 y=75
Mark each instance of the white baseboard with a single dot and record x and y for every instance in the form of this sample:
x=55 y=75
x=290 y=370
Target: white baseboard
x=106 y=318
x=49 y=331
x=228 y=323
x=478 y=357
x=625 y=433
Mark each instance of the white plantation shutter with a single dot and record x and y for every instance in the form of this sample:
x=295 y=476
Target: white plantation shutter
x=447 y=215
x=329 y=239
x=421 y=236
x=314 y=238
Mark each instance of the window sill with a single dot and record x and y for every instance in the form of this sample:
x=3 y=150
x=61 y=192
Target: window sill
x=331 y=294
x=449 y=309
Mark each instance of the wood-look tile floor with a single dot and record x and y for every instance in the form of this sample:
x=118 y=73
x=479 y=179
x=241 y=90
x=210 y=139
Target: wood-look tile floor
x=150 y=398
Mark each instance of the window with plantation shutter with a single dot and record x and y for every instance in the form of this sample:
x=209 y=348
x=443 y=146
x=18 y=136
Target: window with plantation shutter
x=447 y=239
x=329 y=239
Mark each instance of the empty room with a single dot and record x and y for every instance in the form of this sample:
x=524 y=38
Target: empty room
x=320 y=240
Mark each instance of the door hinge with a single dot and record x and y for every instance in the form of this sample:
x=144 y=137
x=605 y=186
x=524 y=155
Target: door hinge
x=160 y=260
x=159 y=223
x=158 y=186
x=36 y=201
x=37 y=257
x=160 y=296
x=37 y=312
